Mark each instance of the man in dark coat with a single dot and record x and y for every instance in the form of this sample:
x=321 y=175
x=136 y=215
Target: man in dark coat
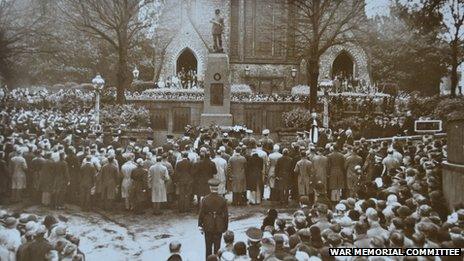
x=109 y=182
x=34 y=169
x=336 y=174
x=205 y=169
x=139 y=178
x=60 y=181
x=73 y=166
x=254 y=177
x=183 y=180
x=284 y=169
x=213 y=218
x=39 y=247
x=87 y=182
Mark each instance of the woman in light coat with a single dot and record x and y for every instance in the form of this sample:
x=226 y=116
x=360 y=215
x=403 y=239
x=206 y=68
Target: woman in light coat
x=126 y=170
x=157 y=176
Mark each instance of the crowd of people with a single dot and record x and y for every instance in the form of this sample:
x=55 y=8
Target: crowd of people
x=351 y=195
x=28 y=237
x=184 y=79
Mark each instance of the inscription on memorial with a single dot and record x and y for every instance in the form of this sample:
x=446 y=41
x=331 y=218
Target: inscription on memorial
x=217 y=94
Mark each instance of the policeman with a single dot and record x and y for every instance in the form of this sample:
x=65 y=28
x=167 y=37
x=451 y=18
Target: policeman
x=213 y=219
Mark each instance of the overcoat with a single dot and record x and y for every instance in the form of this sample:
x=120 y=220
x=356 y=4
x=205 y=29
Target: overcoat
x=157 y=177
x=204 y=170
x=18 y=171
x=273 y=157
x=60 y=176
x=352 y=178
x=321 y=165
x=109 y=180
x=254 y=172
x=139 y=184
x=284 y=168
x=236 y=173
x=46 y=176
x=337 y=174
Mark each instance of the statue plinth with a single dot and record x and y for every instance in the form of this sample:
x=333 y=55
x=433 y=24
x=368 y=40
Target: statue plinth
x=216 y=104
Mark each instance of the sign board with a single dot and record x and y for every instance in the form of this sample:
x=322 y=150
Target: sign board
x=424 y=126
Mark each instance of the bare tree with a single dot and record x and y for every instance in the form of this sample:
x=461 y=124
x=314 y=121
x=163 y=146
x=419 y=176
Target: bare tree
x=319 y=25
x=117 y=22
x=454 y=13
x=20 y=28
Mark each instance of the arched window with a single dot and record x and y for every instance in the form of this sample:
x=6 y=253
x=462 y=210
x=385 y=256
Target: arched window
x=343 y=66
x=186 y=61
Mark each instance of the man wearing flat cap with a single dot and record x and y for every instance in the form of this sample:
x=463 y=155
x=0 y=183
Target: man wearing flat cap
x=213 y=218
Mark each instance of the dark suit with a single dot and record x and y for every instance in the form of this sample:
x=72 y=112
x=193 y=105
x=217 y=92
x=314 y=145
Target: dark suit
x=283 y=170
x=36 y=250
x=184 y=179
x=214 y=219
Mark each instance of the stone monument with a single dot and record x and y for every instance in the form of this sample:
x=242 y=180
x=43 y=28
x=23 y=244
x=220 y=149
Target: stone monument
x=216 y=104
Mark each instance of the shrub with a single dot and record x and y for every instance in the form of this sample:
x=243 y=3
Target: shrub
x=125 y=115
x=448 y=107
x=299 y=118
x=140 y=86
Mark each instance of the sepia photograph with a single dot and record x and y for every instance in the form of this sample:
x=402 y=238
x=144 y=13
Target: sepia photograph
x=231 y=130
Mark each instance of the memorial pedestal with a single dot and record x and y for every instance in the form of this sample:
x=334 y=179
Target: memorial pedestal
x=216 y=105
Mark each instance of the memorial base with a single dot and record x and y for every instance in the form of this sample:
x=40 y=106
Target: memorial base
x=208 y=119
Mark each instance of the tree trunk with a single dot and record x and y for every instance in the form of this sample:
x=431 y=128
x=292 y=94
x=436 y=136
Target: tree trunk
x=123 y=78
x=454 y=68
x=312 y=69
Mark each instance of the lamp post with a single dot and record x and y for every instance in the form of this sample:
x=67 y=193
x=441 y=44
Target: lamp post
x=325 y=118
x=293 y=73
x=98 y=83
x=136 y=73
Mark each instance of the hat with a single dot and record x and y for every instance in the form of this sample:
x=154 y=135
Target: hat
x=10 y=222
x=169 y=136
x=41 y=230
x=279 y=238
x=268 y=241
x=214 y=182
x=305 y=234
x=229 y=235
x=249 y=131
x=340 y=207
x=254 y=234
x=60 y=230
x=404 y=211
x=266 y=132
x=227 y=256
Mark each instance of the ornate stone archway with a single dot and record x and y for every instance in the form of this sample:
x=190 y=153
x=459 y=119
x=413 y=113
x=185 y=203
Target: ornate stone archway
x=359 y=58
x=187 y=38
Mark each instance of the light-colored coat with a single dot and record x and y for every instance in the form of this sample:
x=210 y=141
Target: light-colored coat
x=126 y=171
x=273 y=157
x=236 y=172
x=18 y=169
x=157 y=176
x=221 y=167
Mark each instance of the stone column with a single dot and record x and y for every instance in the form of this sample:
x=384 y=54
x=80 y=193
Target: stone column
x=216 y=104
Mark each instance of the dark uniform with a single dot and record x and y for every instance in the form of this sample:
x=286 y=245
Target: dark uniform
x=213 y=218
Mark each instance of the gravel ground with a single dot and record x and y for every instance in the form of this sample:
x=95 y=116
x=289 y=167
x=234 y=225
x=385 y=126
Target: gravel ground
x=125 y=236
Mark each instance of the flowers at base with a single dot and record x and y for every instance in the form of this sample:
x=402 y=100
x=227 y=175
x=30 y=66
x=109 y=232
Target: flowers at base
x=125 y=115
x=240 y=88
x=300 y=90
